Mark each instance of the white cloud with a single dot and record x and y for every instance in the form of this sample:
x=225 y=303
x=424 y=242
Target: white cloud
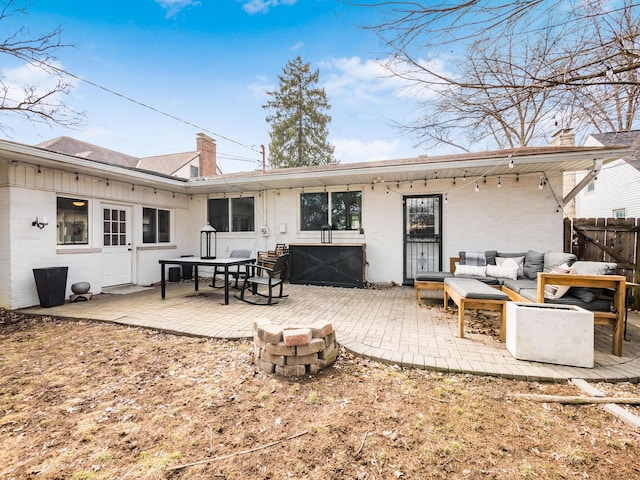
x=370 y=80
x=297 y=46
x=260 y=87
x=350 y=150
x=173 y=7
x=37 y=80
x=262 y=6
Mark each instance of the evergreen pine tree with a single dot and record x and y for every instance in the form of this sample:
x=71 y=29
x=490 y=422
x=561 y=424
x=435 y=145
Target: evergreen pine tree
x=298 y=119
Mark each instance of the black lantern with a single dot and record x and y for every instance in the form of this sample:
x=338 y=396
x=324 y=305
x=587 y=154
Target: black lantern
x=208 y=242
x=325 y=233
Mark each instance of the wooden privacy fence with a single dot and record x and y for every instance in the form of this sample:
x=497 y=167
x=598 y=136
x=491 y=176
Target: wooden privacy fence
x=607 y=240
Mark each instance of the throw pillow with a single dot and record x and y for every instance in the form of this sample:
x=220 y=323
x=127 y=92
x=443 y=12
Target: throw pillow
x=557 y=291
x=475 y=258
x=470 y=270
x=505 y=271
x=595 y=268
x=585 y=294
x=518 y=261
x=533 y=264
x=554 y=259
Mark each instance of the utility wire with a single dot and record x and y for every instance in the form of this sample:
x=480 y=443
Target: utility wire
x=132 y=100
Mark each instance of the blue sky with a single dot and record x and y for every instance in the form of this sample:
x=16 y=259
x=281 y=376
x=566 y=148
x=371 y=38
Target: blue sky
x=210 y=62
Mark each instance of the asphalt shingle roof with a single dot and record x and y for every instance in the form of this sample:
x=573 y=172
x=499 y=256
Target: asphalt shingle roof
x=626 y=139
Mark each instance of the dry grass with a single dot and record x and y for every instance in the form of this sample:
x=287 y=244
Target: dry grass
x=84 y=400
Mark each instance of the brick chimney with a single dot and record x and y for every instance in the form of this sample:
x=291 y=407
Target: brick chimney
x=206 y=147
x=563 y=138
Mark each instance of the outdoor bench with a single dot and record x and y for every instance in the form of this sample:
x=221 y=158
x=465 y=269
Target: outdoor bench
x=429 y=281
x=472 y=293
x=592 y=285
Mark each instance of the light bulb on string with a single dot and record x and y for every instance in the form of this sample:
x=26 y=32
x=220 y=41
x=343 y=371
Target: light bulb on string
x=477 y=188
x=499 y=183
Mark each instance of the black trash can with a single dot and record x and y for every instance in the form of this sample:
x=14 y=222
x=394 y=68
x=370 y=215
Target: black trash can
x=187 y=270
x=51 y=283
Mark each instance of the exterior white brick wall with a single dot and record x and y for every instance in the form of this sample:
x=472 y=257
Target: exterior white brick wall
x=5 y=241
x=516 y=217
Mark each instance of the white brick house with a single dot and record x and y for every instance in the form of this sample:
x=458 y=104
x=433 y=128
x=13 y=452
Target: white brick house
x=110 y=224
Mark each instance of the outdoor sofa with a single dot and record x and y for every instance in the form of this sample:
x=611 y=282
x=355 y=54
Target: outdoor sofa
x=589 y=285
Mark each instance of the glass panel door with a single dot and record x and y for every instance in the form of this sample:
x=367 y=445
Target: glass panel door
x=422 y=235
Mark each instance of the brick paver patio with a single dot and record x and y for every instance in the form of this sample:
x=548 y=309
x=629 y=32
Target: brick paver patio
x=384 y=325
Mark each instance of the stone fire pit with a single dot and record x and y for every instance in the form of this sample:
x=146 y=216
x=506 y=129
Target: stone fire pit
x=294 y=350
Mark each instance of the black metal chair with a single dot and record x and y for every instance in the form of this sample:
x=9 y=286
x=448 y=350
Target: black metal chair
x=237 y=272
x=269 y=277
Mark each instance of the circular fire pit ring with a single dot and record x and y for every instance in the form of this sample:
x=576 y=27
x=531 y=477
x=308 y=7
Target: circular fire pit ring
x=294 y=350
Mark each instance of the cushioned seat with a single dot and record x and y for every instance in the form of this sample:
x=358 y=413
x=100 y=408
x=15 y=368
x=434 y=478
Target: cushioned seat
x=485 y=280
x=429 y=281
x=521 y=284
x=473 y=288
x=472 y=293
x=432 y=276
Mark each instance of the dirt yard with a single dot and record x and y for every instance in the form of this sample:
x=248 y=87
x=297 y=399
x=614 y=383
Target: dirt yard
x=86 y=400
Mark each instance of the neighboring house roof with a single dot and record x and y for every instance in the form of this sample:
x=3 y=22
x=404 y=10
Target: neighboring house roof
x=626 y=139
x=167 y=164
x=78 y=148
x=164 y=164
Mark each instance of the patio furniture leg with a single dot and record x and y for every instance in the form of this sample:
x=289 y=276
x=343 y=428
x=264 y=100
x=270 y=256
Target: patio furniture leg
x=162 y=281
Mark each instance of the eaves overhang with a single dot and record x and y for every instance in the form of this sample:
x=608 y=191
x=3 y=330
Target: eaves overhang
x=39 y=157
x=521 y=161
x=471 y=166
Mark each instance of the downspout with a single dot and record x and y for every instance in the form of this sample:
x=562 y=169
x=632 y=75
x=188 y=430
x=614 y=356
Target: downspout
x=597 y=165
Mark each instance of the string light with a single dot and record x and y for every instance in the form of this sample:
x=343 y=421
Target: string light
x=477 y=188
x=454 y=180
x=499 y=183
x=510 y=161
x=446 y=199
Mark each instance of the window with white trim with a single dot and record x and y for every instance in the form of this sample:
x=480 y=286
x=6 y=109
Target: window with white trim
x=72 y=221
x=231 y=214
x=345 y=209
x=156 y=225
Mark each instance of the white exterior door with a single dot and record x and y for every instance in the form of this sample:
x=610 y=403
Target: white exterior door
x=116 y=251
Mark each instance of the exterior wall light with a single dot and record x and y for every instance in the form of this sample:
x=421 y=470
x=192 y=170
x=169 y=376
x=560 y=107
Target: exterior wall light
x=40 y=223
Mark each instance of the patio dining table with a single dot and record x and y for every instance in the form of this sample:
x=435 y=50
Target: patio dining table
x=203 y=262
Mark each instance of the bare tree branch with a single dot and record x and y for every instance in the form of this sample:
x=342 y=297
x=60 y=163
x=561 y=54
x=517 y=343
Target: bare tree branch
x=500 y=71
x=39 y=101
